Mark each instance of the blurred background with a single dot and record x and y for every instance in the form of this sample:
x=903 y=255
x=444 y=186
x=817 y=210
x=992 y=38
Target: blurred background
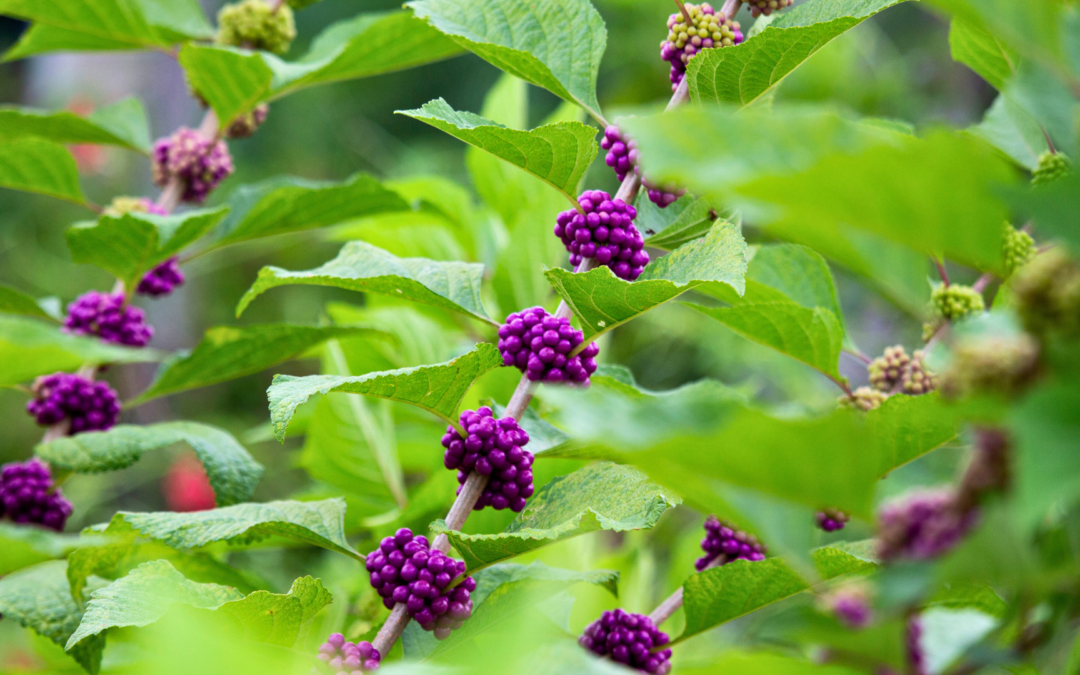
x=896 y=65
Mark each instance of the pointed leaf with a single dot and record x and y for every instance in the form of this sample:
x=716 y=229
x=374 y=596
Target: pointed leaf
x=13 y=301
x=1011 y=129
x=123 y=124
x=232 y=471
x=232 y=81
x=601 y=496
x=41 y=166
x=976 y=47
x=437 y=388
x=279 y=619
x=669 y=228
x=554 y=44
x=359 y=266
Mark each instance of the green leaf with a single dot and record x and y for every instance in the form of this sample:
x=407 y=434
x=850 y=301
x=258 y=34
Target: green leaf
x=14 y=301
x=721 y=594
x=129 y=245
x=29 y=348
x=554 y=44
x=685 y=220
x=144 y=596
x=229 y=352
x=123 y=124
x=559 y=154
x=106 y=24
x=25 y=545
x=283 y=205
x=232 y=81
x=603 y=301
x=977 y=48
x=232 y=471
x=1011 y=129
x=359 y=266
x=601 y=496
x=1048 y=474
x=38 y=597
x=745 y=73
x=437 y=388
x=41 y=166
x=319 y=523
x=279 y=619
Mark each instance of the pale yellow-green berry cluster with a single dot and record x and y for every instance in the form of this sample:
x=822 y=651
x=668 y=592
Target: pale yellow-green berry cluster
x=863 y=398
x=253 y=24
x=991 y=364
x=1018 y=248
x=1052 y=165
x=952 y=303
x=917 y=380
x=705 y=25
x=887 y=369
x=1047 y=292
x=122 y=205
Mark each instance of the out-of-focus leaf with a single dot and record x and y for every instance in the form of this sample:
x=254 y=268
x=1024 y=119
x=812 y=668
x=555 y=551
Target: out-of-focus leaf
x=41 y=166
x=977 y=48
x=1048 y=471
x=14 y=301
x=280 y=619
x=669 y=228
x=25 y=545
x=1013 y=130
x=123 y=124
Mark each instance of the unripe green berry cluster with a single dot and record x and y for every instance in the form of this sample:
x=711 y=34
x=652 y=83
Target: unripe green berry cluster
x=863 y=398
x=1018 y=248
x=253 y=24
x=1003 y=364
x=1048 y=294
x=917 y=380
x=887 y=370
x=1052 y=165
x=951 y=303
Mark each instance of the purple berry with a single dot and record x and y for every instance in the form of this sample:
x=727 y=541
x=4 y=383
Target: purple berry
x=850 y=604
x=161 y=280
x=603 y=229
x=831 y=520
x=710 y=30
x=27 y=495
x=767 y=7
x=522 y=345
x=348 y=657
x=922 y=525
x=724 y=543
x=86 y=405
x=496 y=448
x=623 y=157
x=628 y=639
x=198 y=162
x=109 y=317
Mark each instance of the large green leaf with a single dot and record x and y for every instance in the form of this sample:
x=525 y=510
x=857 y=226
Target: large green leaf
x=559 y=154
x=41 y=166
x=129 y=245
x=25 y=545
x=315 y=523
x=601 y=496
x=1047 y=472
x=29 y=348
x=359 y=266
x=555 y=44
x=228 y=352
x=123 y=123
x=13 y=301
x=38 y=597
x=745 y=73
x=232 y=471
x=977 y=48
x=603 y=301
x=437 y=388
x=669 y=228
x=279 y=619
x=1011 y=129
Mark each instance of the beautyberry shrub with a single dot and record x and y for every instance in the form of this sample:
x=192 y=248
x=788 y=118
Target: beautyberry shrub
x=199 y=163
x=724 y=543
x=706 y=30
x=604 y=230
x=628 y=639
x=27 y=495
x=87 y=405
x=107 y=316
x=350 y=658
x=496 y=448
x=540 y=345
x=163 y=279
x=622 y=155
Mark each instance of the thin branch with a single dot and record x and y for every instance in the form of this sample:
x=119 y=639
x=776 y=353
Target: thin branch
x=685 y=14
x=731 y=8
x=941 y=270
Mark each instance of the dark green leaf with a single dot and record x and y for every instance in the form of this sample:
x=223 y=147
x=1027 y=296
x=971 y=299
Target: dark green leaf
x=41 y=166
x=123 y=123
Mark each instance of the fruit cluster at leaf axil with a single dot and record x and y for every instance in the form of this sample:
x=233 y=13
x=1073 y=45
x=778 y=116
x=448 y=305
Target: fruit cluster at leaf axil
x=85 y=405
x=28 y=495
x=921 y=525
x=541 y=346
x=1000 y=364
x=630 y=639
x=197 y=162
x=121 y=205
x=405 y=569
x=1018 y=249
x=1047 y=294
x=724 y=543
x=108 y=316
x=767 y=7
x=950 y=303
x=247 y=124
x=496 y=448
x=887 y=370
x=348 y=658
x=864 y=399
x=622 y=156
x=706 y=29
x=254 y=24
x=1051 y=166
x=603 y=229
x=162 y=279
x=917 y=378
x=831 y=520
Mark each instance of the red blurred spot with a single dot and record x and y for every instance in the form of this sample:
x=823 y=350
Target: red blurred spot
x=186 y=486
x=89 y=158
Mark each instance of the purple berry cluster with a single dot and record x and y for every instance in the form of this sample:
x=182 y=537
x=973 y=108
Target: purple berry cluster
x=162 y=279
x=540 y=344
x=86 y=404
x=199 y=163
x=496 y=448
x=603 y=229
x=622 y=156
x=767 y=7
x=850 y=604
x=723 y=543
x=27 y=495
x=349 y=658
x=109 y=317
x=628 y=639
x=922 y=525
x=405 y=569
x=706 y=30
x=831 y=520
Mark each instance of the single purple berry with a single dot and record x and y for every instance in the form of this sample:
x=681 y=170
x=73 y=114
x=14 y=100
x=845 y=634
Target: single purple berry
x=162 y=279
x=603 y=229
x=724 y=543
x=347 y=657
x=86 y=405
x=495 y=448
x=706 y=30
x=831 y=520
x=629 y=639
x=541 y=346
x=199 y=163
x=922 y=525
x=109 y=317
x=27 y=495
x=850 y=604
x=622 y=156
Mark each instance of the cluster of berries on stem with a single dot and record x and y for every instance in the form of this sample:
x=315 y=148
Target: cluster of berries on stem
x=922 y=525
x=348 y=658
x=86 y=405
x=831 y=520
x=706 y=30
x=496 y=448
x=254 y=24
x=28 y=495
x=863 y=399
x=724 y=543
x=199 y=163
x=108 y=316
x=630 y=639
x=622 y=156
x=541 y=346
x=603 y=229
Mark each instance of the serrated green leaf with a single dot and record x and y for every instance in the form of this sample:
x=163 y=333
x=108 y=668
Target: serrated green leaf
x=437 y=388
x=38 y=597
x=41 y=166
x=977 y=48
x=232 y=81
x=14 y=301
x=144 y=596
x=542 y=435
x=41 y=39
x=129 y=245
x=1011 y=129
x=669 y=228
x=601 y=496
x=554 y=44
x=229 y=352
x=603 y=301
x=232 y=471
x=279 y=619
x=359 y=266
x=745 y=73
x=559 y=154
x=123 y=124
x=25 y=545
x=29 y=348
